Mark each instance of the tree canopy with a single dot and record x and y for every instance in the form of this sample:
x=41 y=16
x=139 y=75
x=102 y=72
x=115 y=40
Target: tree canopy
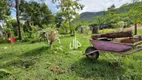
x=4 y=9
x=69 y=10
x=36 y=13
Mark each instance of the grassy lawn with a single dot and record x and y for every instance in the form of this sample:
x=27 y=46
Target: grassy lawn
x=26 y=61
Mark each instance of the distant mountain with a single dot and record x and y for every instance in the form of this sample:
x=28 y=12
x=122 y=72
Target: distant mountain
x=89 y=16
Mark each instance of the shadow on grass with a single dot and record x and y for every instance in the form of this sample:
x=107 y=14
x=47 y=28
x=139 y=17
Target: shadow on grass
x=35 y=52
x=21 y=63
x=96 y=69
x=26 y=59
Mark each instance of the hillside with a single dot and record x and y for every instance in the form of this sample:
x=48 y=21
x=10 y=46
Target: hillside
x=89 y=16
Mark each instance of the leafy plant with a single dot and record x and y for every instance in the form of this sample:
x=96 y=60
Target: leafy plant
x=69 y=10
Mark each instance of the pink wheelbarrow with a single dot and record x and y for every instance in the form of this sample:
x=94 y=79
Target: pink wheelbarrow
x=110 y=47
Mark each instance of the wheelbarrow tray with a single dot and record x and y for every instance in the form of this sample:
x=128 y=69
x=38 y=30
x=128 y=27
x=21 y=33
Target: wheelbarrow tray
x=108 y=46
x=111 y=46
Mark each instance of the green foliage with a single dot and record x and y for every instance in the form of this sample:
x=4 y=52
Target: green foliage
x=48 y=28
x=119 y=24
x=3 y=40
x=35 y=29
x=99 y=20
x=32 y=35
x=4 y=72
x=88 y=16
x=4 y=9
x=64 y=28
x=12 y=24
x=6 y=30
x=128 y=13
x=135 y=14
x=37 y=13
x=106 y=31
x=69 y=9
x=34 y=61
x=59 y=19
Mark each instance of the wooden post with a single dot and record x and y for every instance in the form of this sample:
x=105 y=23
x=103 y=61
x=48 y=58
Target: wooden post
x=135 y=29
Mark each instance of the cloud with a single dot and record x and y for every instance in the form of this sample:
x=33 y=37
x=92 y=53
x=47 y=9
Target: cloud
x=90 y=5
x=100 y=5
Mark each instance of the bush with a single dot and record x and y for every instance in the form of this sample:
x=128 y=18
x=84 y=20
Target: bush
x=64 y=29
x=3 y=40
x=107 y=31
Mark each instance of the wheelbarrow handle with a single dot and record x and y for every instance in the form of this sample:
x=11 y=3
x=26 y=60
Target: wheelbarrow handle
x=138 y=43
x=133 y=51
x=91 y=52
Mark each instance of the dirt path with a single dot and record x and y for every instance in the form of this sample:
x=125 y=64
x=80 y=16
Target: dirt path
x=132 y=28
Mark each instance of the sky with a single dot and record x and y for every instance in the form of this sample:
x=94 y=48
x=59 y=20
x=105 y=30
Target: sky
x=90 y=5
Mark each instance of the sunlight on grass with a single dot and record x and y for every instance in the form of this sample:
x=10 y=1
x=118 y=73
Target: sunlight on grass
x=38 y=61
x=107 y=31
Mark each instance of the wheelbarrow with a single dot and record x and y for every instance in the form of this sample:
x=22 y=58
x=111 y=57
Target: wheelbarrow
x=106 y=45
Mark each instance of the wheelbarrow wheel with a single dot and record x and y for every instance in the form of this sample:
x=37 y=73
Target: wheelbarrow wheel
x=92 y=56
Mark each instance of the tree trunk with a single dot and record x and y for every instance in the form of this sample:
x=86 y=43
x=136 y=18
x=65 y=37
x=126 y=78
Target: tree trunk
x=82 y=30
x=66 y=30
x=18 y=22
x=135 y=29
x=95 y=30
x=71 y=31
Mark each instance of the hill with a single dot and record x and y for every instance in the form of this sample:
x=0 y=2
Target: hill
x=89 y=16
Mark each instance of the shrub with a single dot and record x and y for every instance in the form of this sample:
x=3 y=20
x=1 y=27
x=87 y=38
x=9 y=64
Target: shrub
x=107 y=31
x=3 y=40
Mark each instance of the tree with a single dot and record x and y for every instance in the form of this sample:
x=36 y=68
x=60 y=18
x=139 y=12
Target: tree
x=100 y=20
x=59 y=19
x=36 y=13
x=12 y=24
x=15 y=4
x=111 y=7
x=17 y=18
x=97 y=23
x=69 y=9
x=4 y=9
x=135 y=15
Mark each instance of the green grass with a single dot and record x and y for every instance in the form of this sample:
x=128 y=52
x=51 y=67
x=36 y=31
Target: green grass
x=27 y=61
